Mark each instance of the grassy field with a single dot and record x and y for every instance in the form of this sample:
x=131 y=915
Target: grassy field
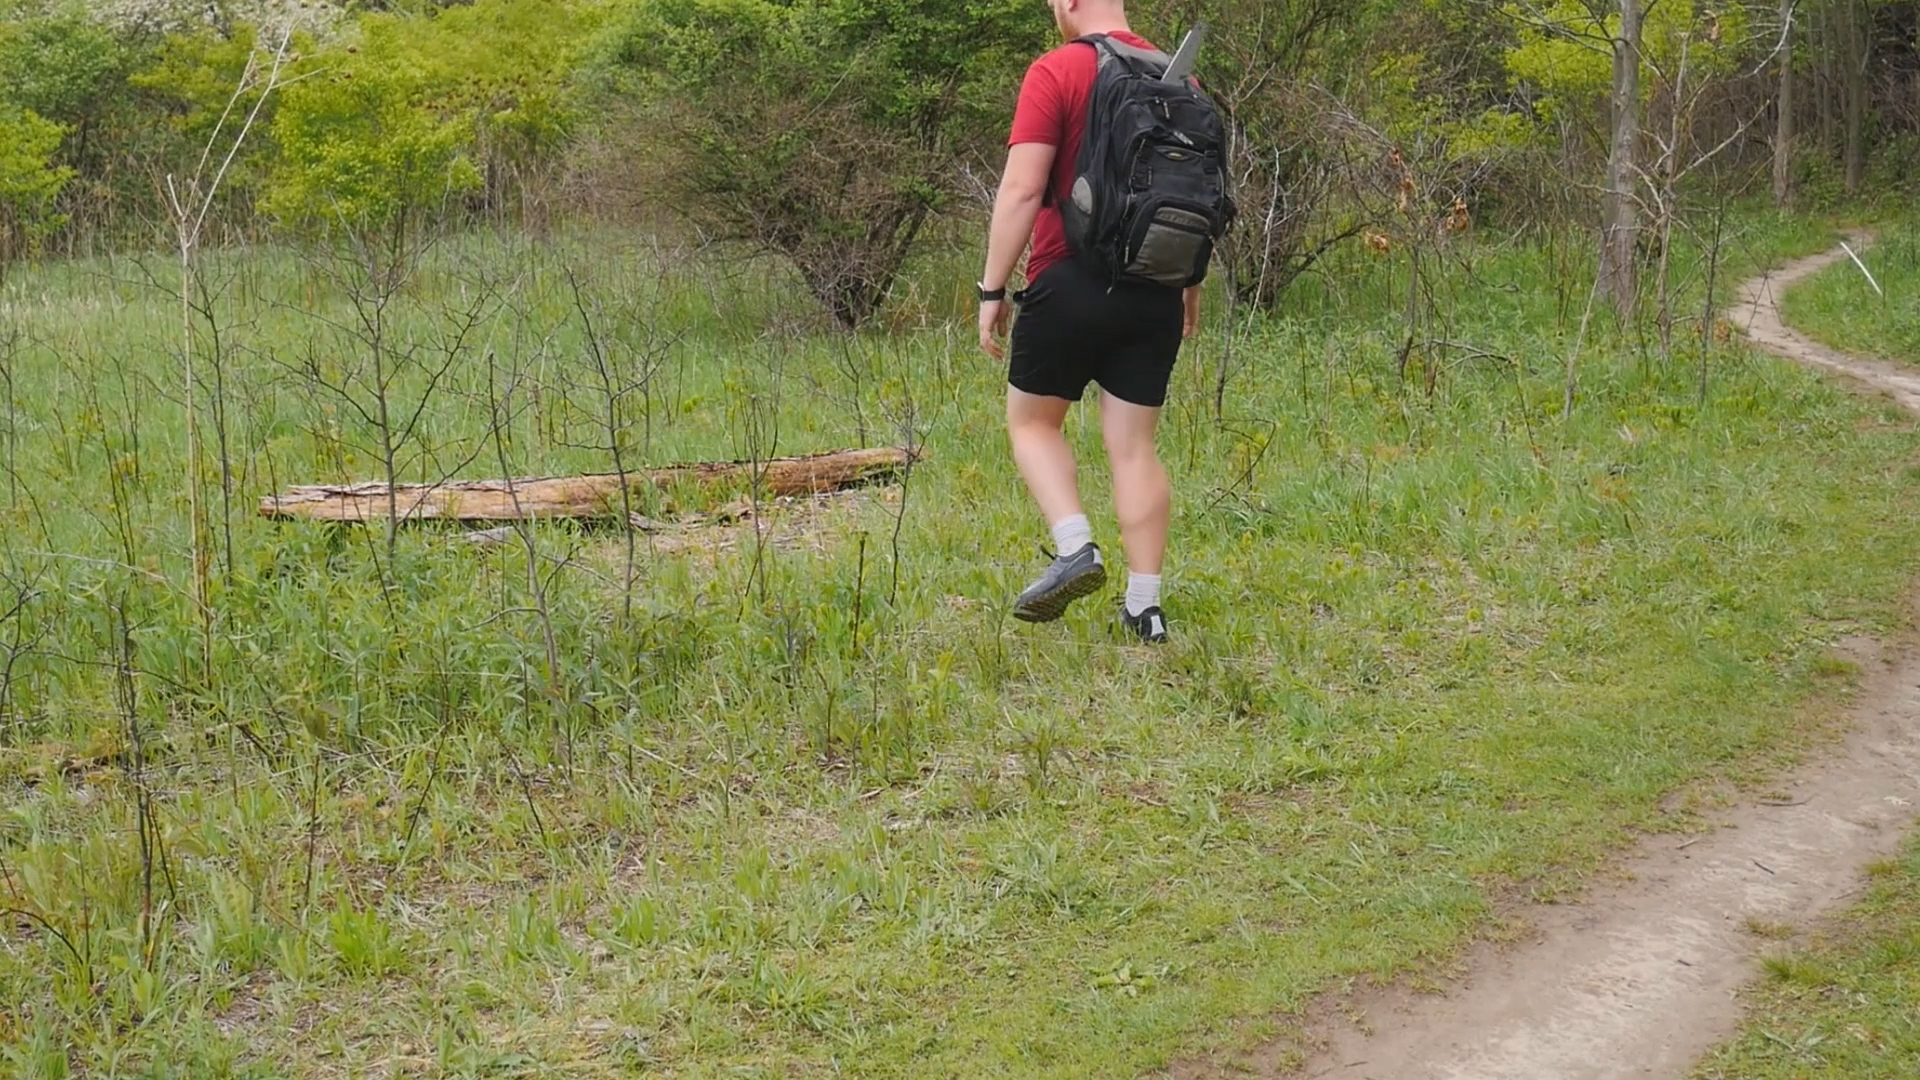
x=1845 y=1004
x=1843 y=309
x=795 y=797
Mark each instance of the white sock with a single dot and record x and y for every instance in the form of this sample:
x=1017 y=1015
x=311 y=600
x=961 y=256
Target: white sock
x=1143 y=592
x=1072 y=534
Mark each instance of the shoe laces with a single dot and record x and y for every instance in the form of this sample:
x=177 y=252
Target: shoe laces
x=1054 y=556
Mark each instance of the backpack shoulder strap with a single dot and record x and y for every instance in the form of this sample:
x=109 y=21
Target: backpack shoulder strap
x=1111 y=49
x=1103 y=51
x=1143 y=61
x=1101 y=44
x=1108 y=51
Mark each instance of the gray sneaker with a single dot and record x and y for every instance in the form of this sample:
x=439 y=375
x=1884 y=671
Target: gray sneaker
x=1068 y=579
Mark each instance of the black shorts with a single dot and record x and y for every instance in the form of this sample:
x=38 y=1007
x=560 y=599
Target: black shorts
x=1073 y=328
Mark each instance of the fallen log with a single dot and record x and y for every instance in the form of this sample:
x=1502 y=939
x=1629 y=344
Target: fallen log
x=581 y=497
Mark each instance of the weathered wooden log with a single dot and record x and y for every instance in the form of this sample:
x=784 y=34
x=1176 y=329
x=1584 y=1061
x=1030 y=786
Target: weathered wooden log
x=584 y=497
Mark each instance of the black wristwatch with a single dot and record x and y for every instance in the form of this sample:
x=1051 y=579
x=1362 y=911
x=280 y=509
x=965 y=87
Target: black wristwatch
x=988 y=296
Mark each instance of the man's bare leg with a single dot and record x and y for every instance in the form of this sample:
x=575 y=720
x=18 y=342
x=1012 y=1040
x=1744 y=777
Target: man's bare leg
x=1035 y=424
x=1142 y=496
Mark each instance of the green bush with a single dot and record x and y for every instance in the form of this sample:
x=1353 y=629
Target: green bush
x=411 y=117
x=60 y=64
x=205 y=85
x=1271 y=67
x=29 y=181
x=825 y=131
x=364 y=143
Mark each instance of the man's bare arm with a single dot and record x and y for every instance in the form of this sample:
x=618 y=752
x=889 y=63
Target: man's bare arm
x=1023 y=187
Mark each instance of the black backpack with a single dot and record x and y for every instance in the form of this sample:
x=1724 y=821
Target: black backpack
x=1149 y=197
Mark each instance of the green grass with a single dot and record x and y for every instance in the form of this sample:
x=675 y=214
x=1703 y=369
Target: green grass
x=1847 y=1002
x=1841 y=307
x=803 y=808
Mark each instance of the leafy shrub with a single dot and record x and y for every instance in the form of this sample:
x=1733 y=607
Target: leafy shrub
x=61 y=64
x=64 y=67
x=203 y=85
x=364 y=143
x=410 y=115
x=825 y=131
x=29 y=181
x=1271 y=67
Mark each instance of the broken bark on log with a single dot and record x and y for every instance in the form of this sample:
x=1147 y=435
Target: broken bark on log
x=583 y=497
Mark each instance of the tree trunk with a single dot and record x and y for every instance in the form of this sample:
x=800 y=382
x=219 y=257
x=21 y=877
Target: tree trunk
x=1857 y=47
x=1783 y=134
x=1825 y=47
x=1620 y=210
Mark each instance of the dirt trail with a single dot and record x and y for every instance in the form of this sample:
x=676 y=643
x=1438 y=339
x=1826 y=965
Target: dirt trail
x=1758 y=314
x=1639 y=979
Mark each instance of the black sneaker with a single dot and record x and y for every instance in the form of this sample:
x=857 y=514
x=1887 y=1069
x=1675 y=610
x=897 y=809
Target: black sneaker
x=1068 y=579
x=1150 y=626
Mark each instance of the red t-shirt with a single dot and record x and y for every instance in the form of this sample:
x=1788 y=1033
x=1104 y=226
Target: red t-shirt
x=1053 y=110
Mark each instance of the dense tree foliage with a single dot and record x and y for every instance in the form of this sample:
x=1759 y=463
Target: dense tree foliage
x=834 y=134
x=827 y=131
x=29 y=181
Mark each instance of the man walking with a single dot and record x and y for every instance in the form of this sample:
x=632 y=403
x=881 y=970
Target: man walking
x=1078 y=326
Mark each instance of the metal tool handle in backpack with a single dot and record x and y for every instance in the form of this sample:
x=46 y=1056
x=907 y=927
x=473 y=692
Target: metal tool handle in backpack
x=1187 y=56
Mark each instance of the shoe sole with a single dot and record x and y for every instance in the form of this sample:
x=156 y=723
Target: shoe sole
x=1055 y=604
